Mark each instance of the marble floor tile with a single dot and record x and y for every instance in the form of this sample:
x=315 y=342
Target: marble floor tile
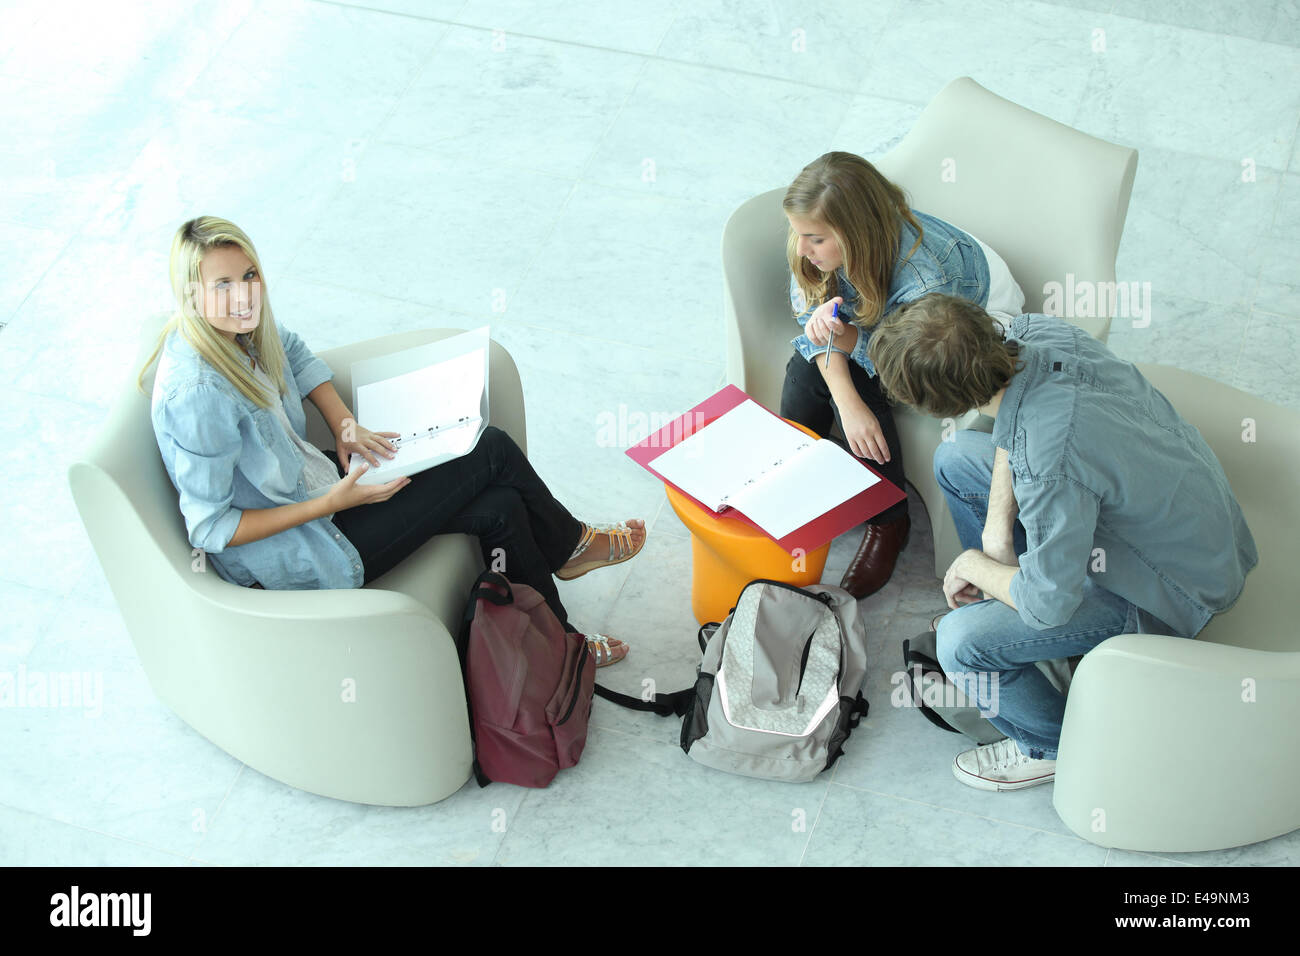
x=1279 y=851
x=577 y=440
x=553 y=99
x=26 y=252
x=420 y=227
x=103 y=752
x=321 y=68
x=1194 y=228
x=732 y=136
x=653 y=615
x=822 y=47
x=1278 y=291
x=76 y=335
x=896 y=751
x=1274 y=21
x=1185 y=90
x=685 y=813
x=1129 y=858
x=143 y=50
x=1035 y=55
x=665 y=253
x=861 y=828
x=1097 y=6
x=63 y=150
x=328 y=316
x=628 y=25
x=28 y=839
x=1269 y=356
x=873 y=126
x=1198 y=336
x=275 y=192
x=446 y=10
x=263 y=822
x=1286 y=214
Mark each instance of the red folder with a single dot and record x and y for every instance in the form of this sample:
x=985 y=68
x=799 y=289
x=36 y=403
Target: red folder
x=811 y=536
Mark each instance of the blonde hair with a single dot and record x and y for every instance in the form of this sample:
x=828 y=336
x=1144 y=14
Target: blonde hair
x=193 y=240
x=864 y=212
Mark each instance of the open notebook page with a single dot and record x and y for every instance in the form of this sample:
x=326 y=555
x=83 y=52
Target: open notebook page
x=717 y=462
x=805 y=488
x=414 y=402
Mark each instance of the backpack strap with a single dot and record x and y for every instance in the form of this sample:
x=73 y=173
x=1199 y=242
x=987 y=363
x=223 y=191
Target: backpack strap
x=665 y=705
x=493 y=587
x=712 y=628
x=860 y=708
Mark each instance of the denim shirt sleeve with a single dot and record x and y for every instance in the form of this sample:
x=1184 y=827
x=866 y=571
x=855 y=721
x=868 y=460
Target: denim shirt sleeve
x=308 y=370
x=804 y=345
x=1060 y=520
x=199 y=438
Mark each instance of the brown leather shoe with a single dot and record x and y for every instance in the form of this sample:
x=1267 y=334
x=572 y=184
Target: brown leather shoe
x=871 y=567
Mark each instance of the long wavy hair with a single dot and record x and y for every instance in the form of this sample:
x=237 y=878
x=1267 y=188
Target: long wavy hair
x=193 y=240
x=864 y=212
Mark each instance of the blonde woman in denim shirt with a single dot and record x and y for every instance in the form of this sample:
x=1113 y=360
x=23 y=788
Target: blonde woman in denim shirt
x=855 y=244
x=271 y=510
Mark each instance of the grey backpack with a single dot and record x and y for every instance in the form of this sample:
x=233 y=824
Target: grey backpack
x=779 y=688
x=925 y=686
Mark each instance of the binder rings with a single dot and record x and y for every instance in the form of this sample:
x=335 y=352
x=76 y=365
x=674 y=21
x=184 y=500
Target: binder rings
x=435 y=395
x=793 y=492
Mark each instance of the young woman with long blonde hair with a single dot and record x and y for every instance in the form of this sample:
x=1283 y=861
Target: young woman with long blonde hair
x=855 y=245
x=273 y=511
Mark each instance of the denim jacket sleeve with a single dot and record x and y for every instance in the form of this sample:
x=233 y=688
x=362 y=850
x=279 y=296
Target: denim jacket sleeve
x=1060 y=519
x=308 y=370
x=200 y=441
x=804 y=346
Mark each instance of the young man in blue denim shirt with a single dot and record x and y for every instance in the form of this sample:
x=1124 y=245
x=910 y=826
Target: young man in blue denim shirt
x=1093 y=509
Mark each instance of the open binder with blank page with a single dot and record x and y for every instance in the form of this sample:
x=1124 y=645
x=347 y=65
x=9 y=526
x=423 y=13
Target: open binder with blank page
x=434 y=395
x=736 y=458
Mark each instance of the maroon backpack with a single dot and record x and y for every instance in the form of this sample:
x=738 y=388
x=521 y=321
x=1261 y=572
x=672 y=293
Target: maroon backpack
x=528 y=685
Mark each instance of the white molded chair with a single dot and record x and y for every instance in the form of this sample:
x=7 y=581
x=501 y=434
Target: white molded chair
x=1177 y=745
x=262 y=673
x=1049 y=199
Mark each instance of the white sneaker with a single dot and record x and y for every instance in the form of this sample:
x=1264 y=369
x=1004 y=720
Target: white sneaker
x=1001 y=766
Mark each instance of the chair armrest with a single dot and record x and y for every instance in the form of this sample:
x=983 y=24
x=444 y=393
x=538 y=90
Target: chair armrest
x=1172 y=744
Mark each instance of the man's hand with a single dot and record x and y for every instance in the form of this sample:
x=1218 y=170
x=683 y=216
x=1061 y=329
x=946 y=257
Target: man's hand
x=975 y=571
x=957 y=589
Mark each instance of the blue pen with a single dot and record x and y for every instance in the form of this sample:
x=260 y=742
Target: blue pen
x=835 y=311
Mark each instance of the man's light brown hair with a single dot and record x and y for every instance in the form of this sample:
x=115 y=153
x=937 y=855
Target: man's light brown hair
x=942 y=355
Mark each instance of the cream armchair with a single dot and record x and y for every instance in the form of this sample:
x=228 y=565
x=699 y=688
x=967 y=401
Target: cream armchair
x=354 y=694
x=1177 y=745
x=1049 y=199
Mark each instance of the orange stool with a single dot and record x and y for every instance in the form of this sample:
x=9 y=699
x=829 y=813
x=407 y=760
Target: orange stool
x=728 y=554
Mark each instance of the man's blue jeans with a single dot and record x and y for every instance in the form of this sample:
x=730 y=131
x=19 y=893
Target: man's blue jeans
x=985 y=648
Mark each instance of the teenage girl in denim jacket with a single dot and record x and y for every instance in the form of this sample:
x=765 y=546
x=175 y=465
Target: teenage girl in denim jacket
x=855 y=244
x=271 y=510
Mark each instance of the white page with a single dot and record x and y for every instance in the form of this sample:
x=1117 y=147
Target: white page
x=416 y=454
x=718 y=460
x=805 y=488
x=414 y=402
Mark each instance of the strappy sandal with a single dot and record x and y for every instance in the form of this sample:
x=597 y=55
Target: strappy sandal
x=606 y=650
x=621 y=548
